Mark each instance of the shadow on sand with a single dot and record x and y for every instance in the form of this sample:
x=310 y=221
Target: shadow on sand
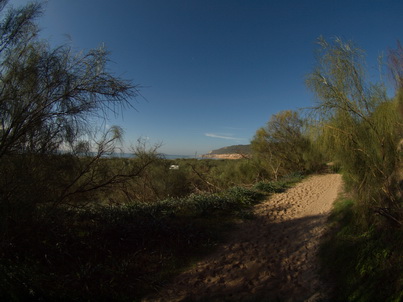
x=266 y=261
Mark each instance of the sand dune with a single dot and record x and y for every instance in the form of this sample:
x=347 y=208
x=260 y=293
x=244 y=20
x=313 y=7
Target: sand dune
x=272 y=257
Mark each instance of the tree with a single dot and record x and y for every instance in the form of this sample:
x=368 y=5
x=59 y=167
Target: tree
x=360 y=126
x=48 y=96
x=282 y=143
x=395 y=60
x=17 y=24
x=265 y=153
x=50 y=100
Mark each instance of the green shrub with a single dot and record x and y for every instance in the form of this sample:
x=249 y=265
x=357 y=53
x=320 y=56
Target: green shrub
x=280 y=185
x=361 y=129
x=115 y=251
x=271 y=187
x=364 y=263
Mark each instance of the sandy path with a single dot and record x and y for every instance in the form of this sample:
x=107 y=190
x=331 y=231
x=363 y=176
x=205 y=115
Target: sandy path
x=272 y=257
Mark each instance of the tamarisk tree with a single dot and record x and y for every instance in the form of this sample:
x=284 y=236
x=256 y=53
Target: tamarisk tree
x=360 y=127
x=284 y=146
x=48 y=96
x=52 y=100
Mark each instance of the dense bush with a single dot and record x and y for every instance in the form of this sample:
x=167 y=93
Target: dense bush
x=285 y=146
x=364 y=263
x=280 y=185
x=115 y=252
x=361 y=129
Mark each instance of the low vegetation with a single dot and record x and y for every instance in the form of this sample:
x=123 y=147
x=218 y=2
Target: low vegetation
x=284 y=146
x=78 y=224
x=118 y=252
x=364 y=262
x=361 y=131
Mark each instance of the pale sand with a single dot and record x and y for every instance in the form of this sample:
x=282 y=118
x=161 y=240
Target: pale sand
x=270 y=258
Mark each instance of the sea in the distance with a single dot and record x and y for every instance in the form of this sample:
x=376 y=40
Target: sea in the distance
x=167 y=156
x=131 y=155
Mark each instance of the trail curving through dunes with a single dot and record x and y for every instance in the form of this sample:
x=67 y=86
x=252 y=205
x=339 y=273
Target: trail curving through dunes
x=270 y=258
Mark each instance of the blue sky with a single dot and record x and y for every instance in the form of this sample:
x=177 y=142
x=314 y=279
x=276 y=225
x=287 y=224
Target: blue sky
x=214 y=71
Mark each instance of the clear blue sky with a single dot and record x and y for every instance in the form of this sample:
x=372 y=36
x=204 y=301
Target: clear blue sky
x=214 y=71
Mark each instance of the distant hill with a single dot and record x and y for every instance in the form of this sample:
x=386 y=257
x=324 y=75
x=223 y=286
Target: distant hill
x=230 y=152
x=235 y=149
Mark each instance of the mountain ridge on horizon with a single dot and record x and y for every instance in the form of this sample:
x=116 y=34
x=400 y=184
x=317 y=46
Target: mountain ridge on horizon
x=233 y=149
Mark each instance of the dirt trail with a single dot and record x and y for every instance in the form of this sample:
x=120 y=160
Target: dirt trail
x=270 y=258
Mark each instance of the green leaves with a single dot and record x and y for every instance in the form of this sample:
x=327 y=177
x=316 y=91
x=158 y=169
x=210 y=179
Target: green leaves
x=284 y=144
x=364 y=261
x=360 y=126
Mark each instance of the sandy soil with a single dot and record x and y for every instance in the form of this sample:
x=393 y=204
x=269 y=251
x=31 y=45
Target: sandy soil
x=270 y=258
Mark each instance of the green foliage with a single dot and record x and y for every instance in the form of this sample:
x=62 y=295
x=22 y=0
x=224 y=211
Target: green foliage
x=365 y=263
x=210 y=175
x=361 y=128
x=115 y=253
x=270 y=187
x=284 y=145
x=228 y=173
x=80 y=225
x=280 y=185
x=49 y=97
x=48 y=101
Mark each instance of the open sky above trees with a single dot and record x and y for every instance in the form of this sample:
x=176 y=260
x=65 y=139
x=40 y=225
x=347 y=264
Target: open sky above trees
x=213 y=72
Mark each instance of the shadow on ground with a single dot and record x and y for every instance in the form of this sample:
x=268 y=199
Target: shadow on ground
x=267 y=261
